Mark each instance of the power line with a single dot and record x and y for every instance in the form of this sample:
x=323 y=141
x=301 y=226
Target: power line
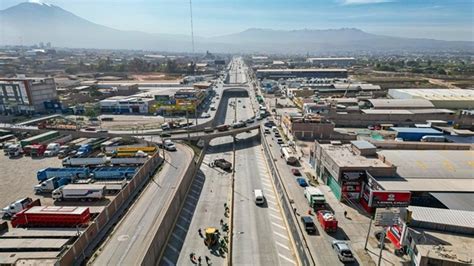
x=192 y=27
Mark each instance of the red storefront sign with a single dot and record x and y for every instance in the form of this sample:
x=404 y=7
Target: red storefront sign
x=383 y=199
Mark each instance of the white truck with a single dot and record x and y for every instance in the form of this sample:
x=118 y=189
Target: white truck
x=16 y=206
x=289 y=155
x=79 y=192
x=52 y=149
x=14 y=150
x=86 y=161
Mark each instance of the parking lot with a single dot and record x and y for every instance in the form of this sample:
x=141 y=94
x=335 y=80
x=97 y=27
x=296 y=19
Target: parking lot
x=19 y=176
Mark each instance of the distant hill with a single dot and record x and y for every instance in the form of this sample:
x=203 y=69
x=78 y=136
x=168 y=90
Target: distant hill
x=30 y=23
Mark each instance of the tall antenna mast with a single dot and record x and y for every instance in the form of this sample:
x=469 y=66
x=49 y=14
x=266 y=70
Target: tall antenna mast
x=192 y=27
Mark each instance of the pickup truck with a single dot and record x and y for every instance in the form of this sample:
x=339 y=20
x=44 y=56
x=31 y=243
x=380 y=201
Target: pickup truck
x=221 y=163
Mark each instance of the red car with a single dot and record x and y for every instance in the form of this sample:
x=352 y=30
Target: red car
x=296 y=172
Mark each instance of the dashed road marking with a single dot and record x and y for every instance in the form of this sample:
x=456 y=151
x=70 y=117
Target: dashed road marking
x=282 y=245
x=281 y=235
x=188 y=211
x=181 y=227
x=190 y=204
x=275 y=216
x=273 y=209
x=192 y=197
x=286 y=258
x=168 y=261
x=277 y=225
x=177 y=237
x=173 y=248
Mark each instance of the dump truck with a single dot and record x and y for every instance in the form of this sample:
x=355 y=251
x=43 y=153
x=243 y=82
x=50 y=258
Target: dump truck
x=52 y=216
x=327 y=220
x=79 y=192
x=76 y=172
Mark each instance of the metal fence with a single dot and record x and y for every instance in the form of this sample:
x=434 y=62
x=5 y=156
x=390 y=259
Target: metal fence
x=300 y=242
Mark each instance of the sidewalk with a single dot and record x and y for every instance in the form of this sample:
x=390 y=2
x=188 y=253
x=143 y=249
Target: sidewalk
x=356 y=226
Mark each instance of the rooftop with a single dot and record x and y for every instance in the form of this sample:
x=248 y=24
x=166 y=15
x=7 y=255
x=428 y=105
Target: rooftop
x=304 y=70
x=401 y=103
x=422 y=130
x=437 y=94
x=343 y=156
x=443 y=216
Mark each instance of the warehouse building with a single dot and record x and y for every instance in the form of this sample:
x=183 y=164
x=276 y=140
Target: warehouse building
x=126 y=105
x=331 y=61
x=301 y=73
x=440 y=98
x=26 y=95
x=436 y=174
x=414 y=133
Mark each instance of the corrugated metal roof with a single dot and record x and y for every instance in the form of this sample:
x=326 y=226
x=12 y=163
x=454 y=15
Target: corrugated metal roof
x=416 y=130
x=456 y=201
x=387 y=111
x=443 y=216
x=363 y=144
x=401 y=103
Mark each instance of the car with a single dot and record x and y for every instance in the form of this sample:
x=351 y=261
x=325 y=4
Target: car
x=169 y=145
x=165 y=135
x=222 y=127
x=259 y=117
x=343 y=251
x=102 y=131
x=302 y=182
x=280 y=141
x=277 y=135
x=208 y=129
x=89 y=129
x=296 y=172
x=269 y=124
x=308 y=224
x=243 y=106
x=371 y=127
x=206 y=115
x=249 y=121
x=222 y=163
x=239 y=124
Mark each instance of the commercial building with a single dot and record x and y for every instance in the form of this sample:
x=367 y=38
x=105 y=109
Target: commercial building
x=440 y=98
x=331 y=61
x=414 y=133
x=26 y=95
x=183 y=100
x=126 y=105
x=363 y=172
x=301 y=73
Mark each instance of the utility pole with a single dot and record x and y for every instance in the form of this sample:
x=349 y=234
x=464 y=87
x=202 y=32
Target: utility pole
x=192 y=27
x=187 y=124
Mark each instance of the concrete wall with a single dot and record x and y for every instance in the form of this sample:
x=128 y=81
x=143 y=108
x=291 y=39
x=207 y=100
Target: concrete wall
x=167 y=219
x=364 y=120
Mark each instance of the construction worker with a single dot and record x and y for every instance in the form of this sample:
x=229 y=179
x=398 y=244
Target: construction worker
x=345 y=214
x=208 y=260
x=199 y=260
x=200 y=232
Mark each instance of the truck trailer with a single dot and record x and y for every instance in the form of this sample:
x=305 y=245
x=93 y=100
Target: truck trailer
x=76 y=172
x=39 y=138
x=52 y=216
x=135 y=160
x=113 y=173
x=86 y=161
x=79 y=192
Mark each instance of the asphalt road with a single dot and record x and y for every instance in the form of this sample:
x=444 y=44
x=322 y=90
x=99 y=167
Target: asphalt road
x=260 y=234
x=130 y=238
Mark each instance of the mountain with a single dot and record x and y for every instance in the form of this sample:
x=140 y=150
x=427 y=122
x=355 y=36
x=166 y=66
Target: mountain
x=30 y=23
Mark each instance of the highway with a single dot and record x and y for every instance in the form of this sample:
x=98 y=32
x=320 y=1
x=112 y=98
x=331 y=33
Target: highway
x=130 y=238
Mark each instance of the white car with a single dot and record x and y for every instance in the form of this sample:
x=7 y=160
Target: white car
x=169 y=145
x=343 y=251
x=206 y=115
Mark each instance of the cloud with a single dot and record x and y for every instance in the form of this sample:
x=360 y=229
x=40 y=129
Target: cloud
x=363 y=2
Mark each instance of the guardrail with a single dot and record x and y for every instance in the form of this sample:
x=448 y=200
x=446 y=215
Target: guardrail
x=302 y=249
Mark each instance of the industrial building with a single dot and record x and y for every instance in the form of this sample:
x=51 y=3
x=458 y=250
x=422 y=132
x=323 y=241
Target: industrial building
x=301 y=73
x=126 y=105
x=440 y=98
x=436 y=174
x=26 y=95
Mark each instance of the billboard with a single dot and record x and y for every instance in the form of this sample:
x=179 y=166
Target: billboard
x=383 y=199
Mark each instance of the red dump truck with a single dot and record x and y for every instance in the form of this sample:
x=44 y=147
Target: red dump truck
x=52 y=216
x=327 y=220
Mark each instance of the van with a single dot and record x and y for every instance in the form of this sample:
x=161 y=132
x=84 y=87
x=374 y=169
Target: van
x=259 y=198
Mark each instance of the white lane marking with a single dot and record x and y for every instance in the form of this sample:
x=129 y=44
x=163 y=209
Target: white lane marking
x=277 y=225
x=267 y=185
x=270 y=196
x=278 y=234
x=274 y=216
x=177 y=237
x=286 y=258
x=181 y=227
x=282 y=245
x=189 y=204
x=192 y=197
x=188 y=211
x=273 y=209
x=185 y=218
x=271 y=201
x=168 y=261
x=173 y=248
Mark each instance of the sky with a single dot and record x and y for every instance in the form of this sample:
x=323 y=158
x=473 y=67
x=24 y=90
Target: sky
x=436 y=19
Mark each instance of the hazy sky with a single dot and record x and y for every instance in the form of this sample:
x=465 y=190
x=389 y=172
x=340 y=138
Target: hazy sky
x=438 y=19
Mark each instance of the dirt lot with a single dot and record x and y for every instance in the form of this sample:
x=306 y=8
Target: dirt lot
x=133 y=122
x=19 y=176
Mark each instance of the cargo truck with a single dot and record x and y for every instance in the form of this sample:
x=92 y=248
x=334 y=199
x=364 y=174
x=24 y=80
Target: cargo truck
x=289 y=155
x=52 y=216
x=39 y=138
x=327 y=220
x=79 y=192
x=86 y=161
x=52 y=149
x=84 y=150
x=37 y=150
x=74 y=172
x=51 y=184
x=136 y=160
x=113 y=173
x=315 y=197
x=146 y=149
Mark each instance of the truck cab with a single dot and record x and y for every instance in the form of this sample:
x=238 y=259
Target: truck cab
x=14 y=150
x=16 y=207
x=52 y=149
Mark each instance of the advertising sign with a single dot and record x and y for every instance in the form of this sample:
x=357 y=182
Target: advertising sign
x=384 y=217
x=383 y=199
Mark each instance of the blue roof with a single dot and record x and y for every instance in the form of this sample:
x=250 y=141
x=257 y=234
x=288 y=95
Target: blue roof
x=416 y=130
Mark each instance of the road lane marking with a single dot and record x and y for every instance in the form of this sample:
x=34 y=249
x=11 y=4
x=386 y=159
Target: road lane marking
x=192 y=197
x=282 y=245
x=273 y=209
x=275 y=216
x=190 y=204
x=281 y=235
x=270 y=196
x=173 y=248
x=177 y=237
x=185 y=218
x=168 y=261
x=181 y=227
x=286 y=258
x=277 y=225
x=188 y=211
x=267 y=185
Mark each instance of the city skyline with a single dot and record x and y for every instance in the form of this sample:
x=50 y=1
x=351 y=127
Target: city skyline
x=434 y=19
